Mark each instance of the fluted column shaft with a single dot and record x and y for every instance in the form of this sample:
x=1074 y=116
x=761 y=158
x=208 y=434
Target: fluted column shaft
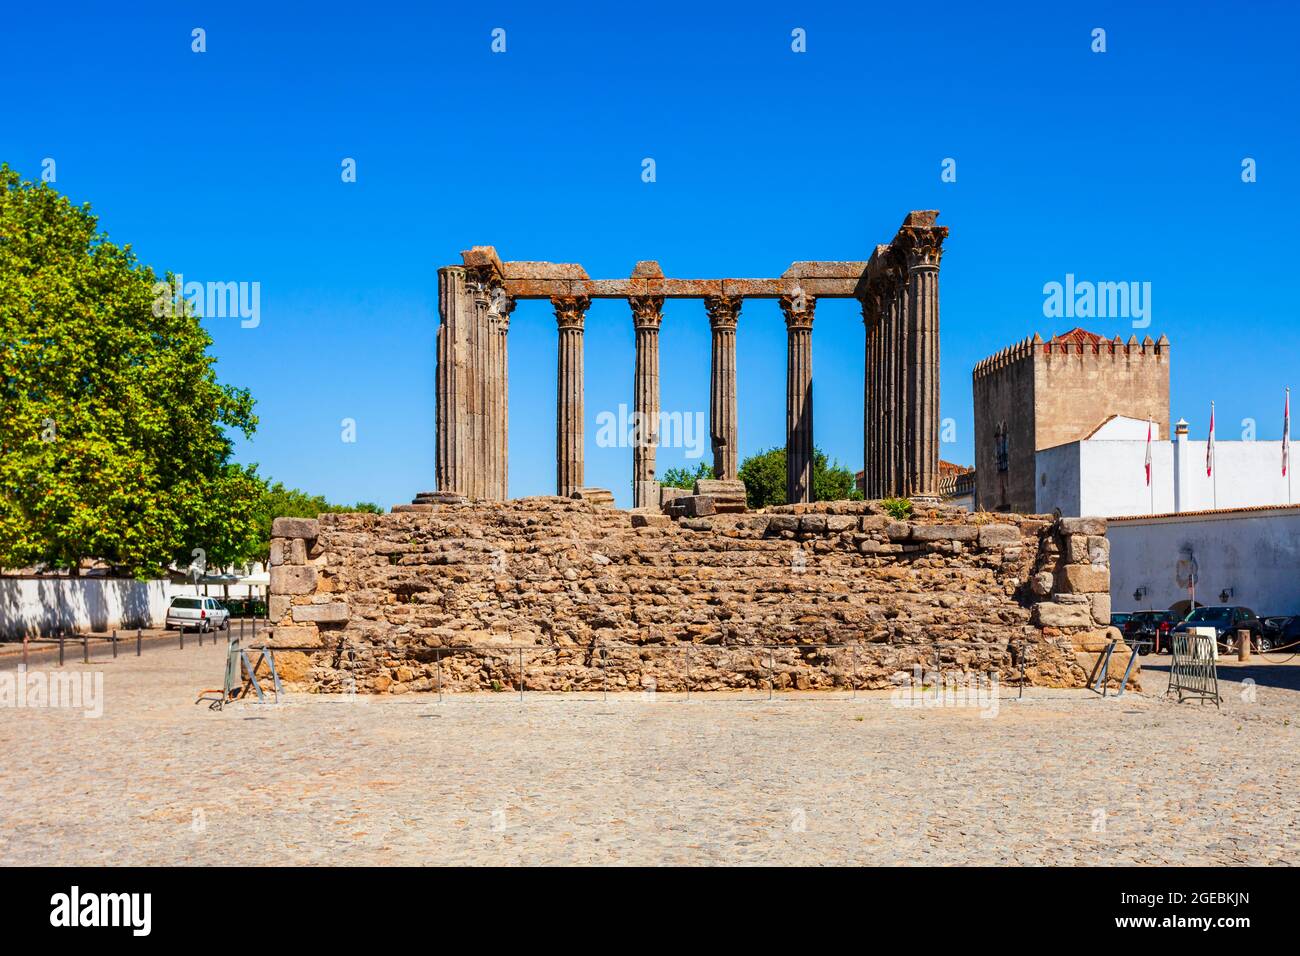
x=647 y=315
x=503 y=306
x=900 y=402
x=724 y=311
x=924 y=249
x=455 y=311
x=798 y=308
x=570 y=313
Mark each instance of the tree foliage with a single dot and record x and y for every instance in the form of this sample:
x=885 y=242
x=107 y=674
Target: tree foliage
x=113 y=427
x=684 y=477
x=764 y=478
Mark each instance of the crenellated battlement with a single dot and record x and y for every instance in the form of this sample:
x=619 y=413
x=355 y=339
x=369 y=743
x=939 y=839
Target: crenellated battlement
x=1078 y=343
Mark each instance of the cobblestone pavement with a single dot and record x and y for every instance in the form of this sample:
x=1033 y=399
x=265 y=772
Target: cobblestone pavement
x=1059 y=778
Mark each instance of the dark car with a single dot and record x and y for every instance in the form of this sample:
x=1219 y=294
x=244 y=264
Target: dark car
x=1119 y=619
x=1280 y=632
x=1153 y=627
x=1227 y=620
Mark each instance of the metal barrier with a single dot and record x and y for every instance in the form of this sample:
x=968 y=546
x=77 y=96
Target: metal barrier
x=1193 y=674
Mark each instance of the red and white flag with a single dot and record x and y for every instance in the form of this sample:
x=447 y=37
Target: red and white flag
x=1209 y=446
x=1148 y=451
x=1286 y=434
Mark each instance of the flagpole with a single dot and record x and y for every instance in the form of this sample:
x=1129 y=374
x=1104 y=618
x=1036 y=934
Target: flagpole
x=1214 y=472
x=1286 y=445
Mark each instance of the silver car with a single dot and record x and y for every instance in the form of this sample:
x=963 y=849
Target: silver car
x=197 y=614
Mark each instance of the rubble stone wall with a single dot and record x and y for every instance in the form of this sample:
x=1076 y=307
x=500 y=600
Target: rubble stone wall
x=825 y=595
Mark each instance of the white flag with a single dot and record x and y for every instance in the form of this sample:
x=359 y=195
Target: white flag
x=1148 y=451
x=1209 y=446
x=1286 y=434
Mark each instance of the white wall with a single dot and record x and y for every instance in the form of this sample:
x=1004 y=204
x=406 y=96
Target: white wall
x=1108 y=477
x=35 y=606
x=1255 y=553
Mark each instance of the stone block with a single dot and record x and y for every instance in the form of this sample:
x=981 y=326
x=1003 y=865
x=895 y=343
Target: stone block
x=600 y=497
x=1076 y=549
x=813 y=524
x=944 y=532
x=1101 y=607
x=651 y=521
x=278 y=606
x=874 y=523
x=336 y=613
x=288 y=579
x=277 y=551
x=1083 y=579
x=668 y=492
x=898 y=530
x=295 y=528
x=696 y=506
x=1083 y=526
x=838 y=524
x=1049 y=614
x=999 y=536
x=293 y=636
x=779 y=523
x=297 y=551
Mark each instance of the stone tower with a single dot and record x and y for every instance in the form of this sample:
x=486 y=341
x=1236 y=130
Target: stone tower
x=1038 y=394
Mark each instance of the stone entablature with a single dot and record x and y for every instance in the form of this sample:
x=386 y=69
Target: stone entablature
x=898 y=288
x=382 y=603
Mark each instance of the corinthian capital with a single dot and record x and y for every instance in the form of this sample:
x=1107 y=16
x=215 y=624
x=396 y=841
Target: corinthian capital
x=798 y=307
x=647 y=310
x=922 y=246
x=724 y=310
x=570 y=310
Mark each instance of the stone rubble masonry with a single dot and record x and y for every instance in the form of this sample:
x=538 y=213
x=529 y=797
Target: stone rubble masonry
x=595 y=596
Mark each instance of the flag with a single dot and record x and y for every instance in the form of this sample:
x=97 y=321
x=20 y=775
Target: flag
x=1148 y=451
x=1209 y=446
x=1286 y=433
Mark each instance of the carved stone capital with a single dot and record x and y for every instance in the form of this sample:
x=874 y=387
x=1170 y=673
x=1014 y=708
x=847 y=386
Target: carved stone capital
x=570 y=310
x=724 y=310
x=500 y=307
x=922 y=247
x=798 y=307
x=647 y=311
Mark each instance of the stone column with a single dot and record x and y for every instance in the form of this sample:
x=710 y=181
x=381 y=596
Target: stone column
x=871 y=396
x=798 y=308
x=570 y=312
x=455 y=311
x=502 y=306
x=923 y=248
x=899 y=348
x=647 y=314
x=724 y=311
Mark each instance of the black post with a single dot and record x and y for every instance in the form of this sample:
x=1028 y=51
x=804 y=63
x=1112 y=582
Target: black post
x=114 y=643
x=139 y=638
x=85 y=649
x=182 y=637
x=60 y=650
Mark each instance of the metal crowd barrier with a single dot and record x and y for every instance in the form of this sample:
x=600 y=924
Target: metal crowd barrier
x=1194 y=674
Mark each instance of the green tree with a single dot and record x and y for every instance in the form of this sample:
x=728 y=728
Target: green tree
x=764 y=478
x=684 y=477
x=113 y=426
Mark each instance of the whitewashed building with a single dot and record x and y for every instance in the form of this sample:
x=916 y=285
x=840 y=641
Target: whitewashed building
x=1104 y=474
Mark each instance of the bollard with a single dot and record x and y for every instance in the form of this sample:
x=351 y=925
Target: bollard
x=114 y=643
x=1243 y=645
x=139 y=639
x=182 y=636
x=24 y=652
x=85 y=649
x=60 y=650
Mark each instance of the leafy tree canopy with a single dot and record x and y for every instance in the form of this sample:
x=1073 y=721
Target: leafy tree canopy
x=113 y=426
x=764 y=478
x=685 y=477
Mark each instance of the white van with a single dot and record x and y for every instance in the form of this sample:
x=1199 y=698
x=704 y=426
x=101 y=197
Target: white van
x=197 y=614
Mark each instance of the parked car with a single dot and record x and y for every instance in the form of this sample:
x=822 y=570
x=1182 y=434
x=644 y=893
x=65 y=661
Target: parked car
x=1280 y=632
x=1151 y=626
x=1227 y=620
x=1119 y=619
x=197 y=614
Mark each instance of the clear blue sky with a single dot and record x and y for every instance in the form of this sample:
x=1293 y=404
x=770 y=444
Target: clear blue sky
x=1122 y=166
